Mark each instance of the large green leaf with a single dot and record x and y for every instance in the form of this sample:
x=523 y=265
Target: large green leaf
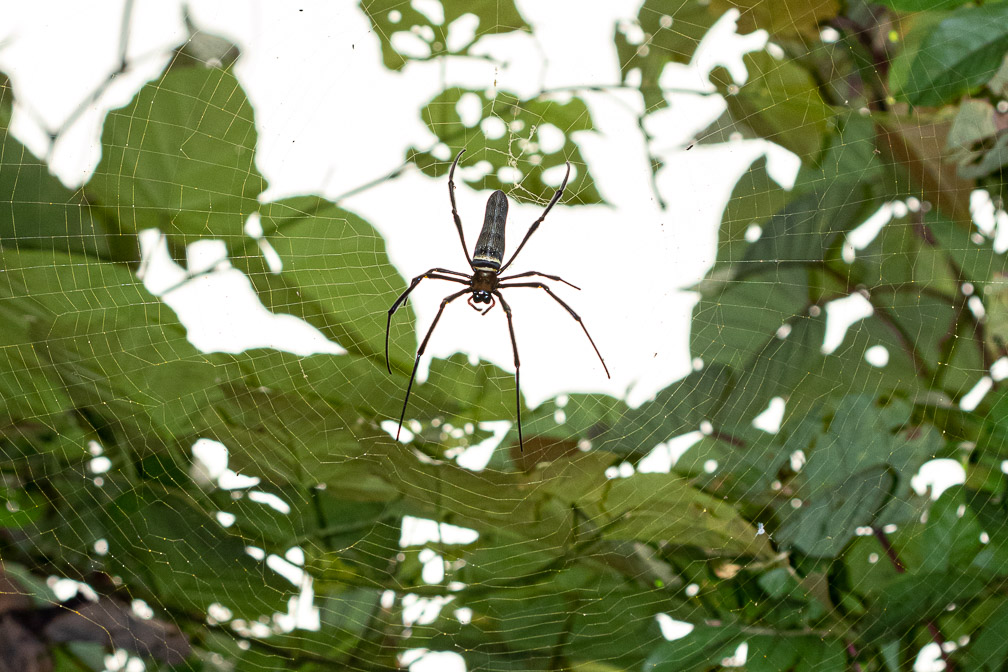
x=335 y=275
x=181 y=158
x=109 y=339
x=432 y=26
x=520 y=145
x=961 y=53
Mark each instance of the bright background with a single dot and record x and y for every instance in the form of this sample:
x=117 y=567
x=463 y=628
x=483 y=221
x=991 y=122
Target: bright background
x=332 y=118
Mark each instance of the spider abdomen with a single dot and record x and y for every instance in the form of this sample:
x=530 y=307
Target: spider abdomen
x=489 y=251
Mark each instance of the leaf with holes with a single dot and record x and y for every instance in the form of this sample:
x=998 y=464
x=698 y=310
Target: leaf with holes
x=662 y=34
x=514 y=142
x=414 y=32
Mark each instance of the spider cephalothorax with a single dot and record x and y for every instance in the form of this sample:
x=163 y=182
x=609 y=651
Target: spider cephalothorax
x=485 y=282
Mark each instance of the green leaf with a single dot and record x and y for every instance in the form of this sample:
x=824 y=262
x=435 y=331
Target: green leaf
x=38 y=211
x=679 y=408
x=335 y=275
x=181 y=158
x=287 y=439
x=785 y=20
x=667 y=34
x=952 y=535
x=780 y=102
x=855 y=469
x=429 y=32
x=345 y=616
x=20 y=507
x=162 y=543
x=910 y=600
x=922 y=5
x=108 y=343
x=638 y=508
x=702 y=649
x=518 y=147
x=963 y=52
x=772 y=653
x=989 y=649
x=734 y=322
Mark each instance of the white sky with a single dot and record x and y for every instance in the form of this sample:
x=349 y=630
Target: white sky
x=330 y=118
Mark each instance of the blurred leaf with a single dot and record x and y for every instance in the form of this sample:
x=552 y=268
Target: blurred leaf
x=989 y=650
x=702 y=649
x=780 y=102
x=203 y=49
x=922 y=5
x=733 y=325
x=910 y=600
x=639 y=508
x=428 y=27
x=679 y=408
x=110 y=622
x=952 y=534
x=770 y=653
x=345 y=617
x=963 y=52
x=978 y=141
x=181 y=158
x=787 y=19
x=290 y=440
x=918 y=144
x=19 y=507
x=519 y=147
x=162 y=542
x=664 y=34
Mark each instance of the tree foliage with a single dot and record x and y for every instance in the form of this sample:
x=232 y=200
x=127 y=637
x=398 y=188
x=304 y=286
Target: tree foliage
x=899 y=102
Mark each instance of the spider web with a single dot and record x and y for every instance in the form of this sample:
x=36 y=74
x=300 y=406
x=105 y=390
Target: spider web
x=798 y=290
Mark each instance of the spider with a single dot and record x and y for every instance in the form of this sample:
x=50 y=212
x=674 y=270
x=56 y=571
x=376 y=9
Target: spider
x=484 y=284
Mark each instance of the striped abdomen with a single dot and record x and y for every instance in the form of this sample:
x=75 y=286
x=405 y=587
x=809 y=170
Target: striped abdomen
x=489 y=250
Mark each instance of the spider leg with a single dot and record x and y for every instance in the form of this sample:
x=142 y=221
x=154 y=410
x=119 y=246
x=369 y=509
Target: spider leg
x=535 y=224
x=420 y=351
x=545 y=275
x=539 y=285
x=514 y=345
x=433 y=274
x=455 y=215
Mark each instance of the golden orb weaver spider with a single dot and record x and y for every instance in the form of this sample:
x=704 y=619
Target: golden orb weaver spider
x=485 y=282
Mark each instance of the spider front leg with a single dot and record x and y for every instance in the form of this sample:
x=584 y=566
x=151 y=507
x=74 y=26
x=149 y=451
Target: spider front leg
x=535 y=224
x=545 y=275
x=420 y=351
x=433 y=274
x=514 y=345
x=455 y=215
